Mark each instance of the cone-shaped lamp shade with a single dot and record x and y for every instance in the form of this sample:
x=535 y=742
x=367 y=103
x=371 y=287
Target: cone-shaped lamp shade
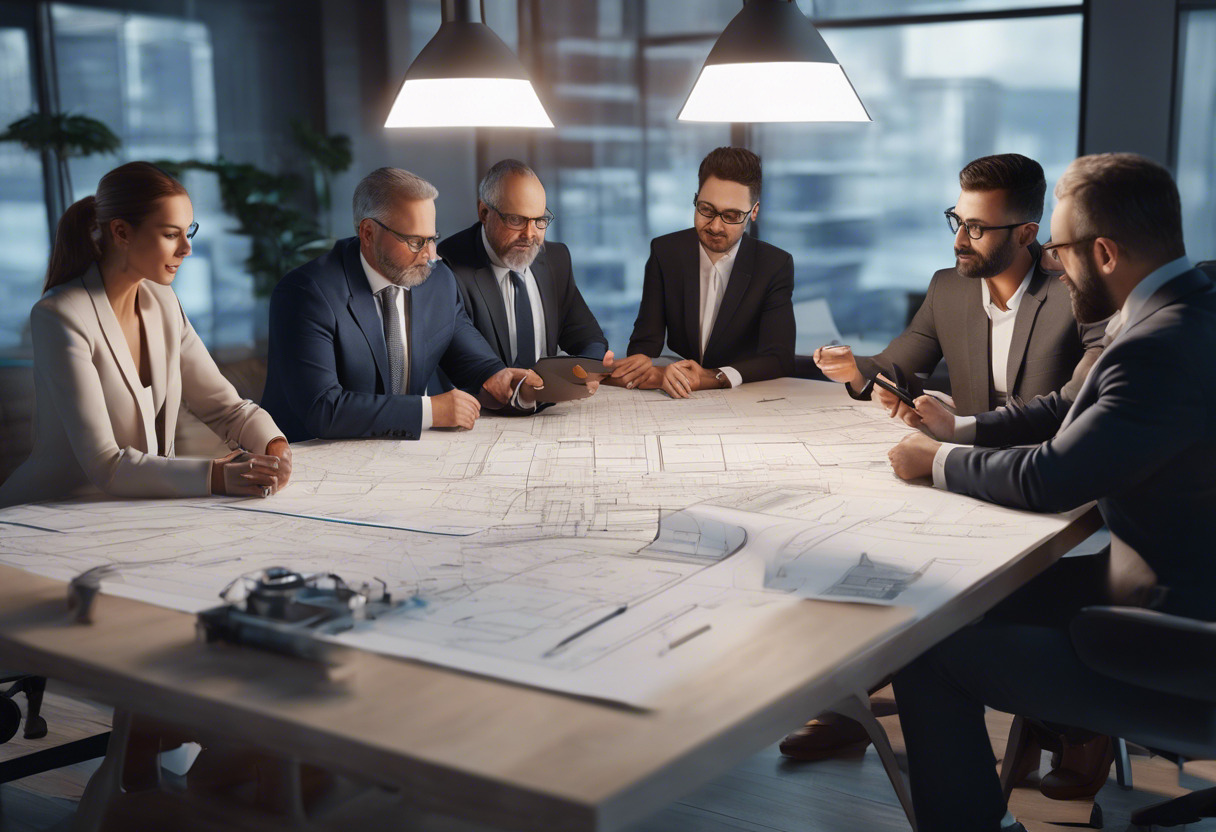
x=770 y=64
x=466 y=77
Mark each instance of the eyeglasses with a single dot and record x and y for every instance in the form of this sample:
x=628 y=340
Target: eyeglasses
x=731 y=216
x=518 y=222
x=974 y=229
x=412 y=241
x=191 y=231
x=1052 y=253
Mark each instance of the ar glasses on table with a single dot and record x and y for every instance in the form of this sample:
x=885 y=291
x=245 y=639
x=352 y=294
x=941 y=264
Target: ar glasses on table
x=412 y=241
x=731 y=216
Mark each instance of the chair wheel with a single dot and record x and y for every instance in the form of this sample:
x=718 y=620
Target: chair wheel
x=35 y=728
x=10 y=719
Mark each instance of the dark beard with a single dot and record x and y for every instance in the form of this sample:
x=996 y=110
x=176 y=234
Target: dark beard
x=989 y=266
x=1091 y=298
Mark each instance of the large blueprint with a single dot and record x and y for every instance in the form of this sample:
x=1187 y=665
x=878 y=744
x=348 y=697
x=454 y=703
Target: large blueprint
x=607 y=547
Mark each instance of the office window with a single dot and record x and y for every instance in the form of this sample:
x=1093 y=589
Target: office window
x=24 y=238
x=1196 y=151
x=151 y=80
x=860 y=205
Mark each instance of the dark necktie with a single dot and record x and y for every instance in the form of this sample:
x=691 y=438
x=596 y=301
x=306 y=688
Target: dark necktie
x=525 y=332
x=394 y=338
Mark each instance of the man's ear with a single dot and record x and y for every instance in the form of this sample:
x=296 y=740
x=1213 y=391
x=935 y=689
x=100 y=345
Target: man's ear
x=483 y=211
x=365 y=232
x=1107 y=254
x=755 y=212
x=1028 y=233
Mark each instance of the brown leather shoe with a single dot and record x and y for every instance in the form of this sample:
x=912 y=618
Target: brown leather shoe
x=1081 y=772
x=830 y=735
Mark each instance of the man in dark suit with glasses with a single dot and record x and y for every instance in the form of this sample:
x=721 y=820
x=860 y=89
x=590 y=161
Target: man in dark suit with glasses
x=518 y=289
x=718 y=297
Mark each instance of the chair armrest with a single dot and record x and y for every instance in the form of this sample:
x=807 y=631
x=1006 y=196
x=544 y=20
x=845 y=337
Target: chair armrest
x=1166 y=653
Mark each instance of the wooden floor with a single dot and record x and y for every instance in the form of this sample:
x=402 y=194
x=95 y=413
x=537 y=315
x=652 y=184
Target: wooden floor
x=765 y=793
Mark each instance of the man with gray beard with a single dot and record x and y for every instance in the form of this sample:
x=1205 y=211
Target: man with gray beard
x=519 y=290
x=356 y=335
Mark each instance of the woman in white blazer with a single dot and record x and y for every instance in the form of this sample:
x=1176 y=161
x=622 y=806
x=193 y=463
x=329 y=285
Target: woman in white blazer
x=115 y=358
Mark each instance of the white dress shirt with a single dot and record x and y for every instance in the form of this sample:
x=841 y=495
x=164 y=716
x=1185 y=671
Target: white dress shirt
x=714 y=277
x=377 y=282
x=1002 y=331
x=502 y=272
x=1127 y=316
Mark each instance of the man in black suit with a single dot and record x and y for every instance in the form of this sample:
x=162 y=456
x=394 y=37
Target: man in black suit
x=717 y=296
x=1140 y=439
x=518 y=289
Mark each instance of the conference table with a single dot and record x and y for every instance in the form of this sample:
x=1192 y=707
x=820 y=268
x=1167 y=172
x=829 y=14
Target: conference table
x=453 y=742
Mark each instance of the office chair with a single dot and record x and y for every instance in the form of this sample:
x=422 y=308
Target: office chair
x=35 y=728
x=1166 y=653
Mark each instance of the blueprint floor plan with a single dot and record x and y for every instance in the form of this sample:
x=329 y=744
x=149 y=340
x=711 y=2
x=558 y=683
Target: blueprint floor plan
x=606 y=547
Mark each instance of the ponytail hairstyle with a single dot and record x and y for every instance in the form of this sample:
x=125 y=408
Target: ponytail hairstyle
x=129 y=192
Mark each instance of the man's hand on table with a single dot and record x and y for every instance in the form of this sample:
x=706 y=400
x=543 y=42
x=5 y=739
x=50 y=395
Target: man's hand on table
x=454 y=409
x=912 y=458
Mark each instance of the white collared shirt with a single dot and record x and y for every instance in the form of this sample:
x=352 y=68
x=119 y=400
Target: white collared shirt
x=1127 y=316
x=502 y=272
x=714 y=277
x=1002 y=331
x=377 y=281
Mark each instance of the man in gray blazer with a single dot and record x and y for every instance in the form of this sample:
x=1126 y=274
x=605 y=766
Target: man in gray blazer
x=1139 y=438
x=1002 y=323
x=514 y=284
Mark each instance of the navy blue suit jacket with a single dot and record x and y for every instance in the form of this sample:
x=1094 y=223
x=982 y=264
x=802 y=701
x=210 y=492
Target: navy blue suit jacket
x=1140 y=439
x=327 y=367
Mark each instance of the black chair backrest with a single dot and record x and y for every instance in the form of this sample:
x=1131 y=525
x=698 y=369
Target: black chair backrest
x=1149 y=649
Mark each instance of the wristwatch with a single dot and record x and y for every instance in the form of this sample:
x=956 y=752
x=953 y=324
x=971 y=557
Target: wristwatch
x=723 y=381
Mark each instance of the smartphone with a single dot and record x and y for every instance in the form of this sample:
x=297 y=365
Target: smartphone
x=900 y=393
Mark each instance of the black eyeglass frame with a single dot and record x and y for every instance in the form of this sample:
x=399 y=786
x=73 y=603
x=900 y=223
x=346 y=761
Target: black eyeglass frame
x=518 y=222
x=954 y=222
x=1051 y=250
x=413 y=242
x=713 y=212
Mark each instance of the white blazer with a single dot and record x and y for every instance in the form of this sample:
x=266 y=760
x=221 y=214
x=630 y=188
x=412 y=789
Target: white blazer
x=93 y=429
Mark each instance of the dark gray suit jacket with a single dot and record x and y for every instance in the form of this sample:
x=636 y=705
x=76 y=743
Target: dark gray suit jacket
x=1050 y=351
x=754 y=330
x=569 y=324
x=1140 y=439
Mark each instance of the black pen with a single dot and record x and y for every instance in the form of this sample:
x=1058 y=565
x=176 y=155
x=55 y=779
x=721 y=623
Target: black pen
x=557 y=647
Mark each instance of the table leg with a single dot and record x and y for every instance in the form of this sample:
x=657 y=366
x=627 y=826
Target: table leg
x=857 y=707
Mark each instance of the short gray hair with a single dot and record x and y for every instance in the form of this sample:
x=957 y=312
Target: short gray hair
x=490 y=189
x=376 y=192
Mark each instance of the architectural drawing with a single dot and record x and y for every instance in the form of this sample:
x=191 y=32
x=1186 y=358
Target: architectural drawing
x=576 y=550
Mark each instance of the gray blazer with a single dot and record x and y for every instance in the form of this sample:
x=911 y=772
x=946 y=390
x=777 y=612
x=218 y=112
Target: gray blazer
x=1050 y=351
x=1140 y=439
